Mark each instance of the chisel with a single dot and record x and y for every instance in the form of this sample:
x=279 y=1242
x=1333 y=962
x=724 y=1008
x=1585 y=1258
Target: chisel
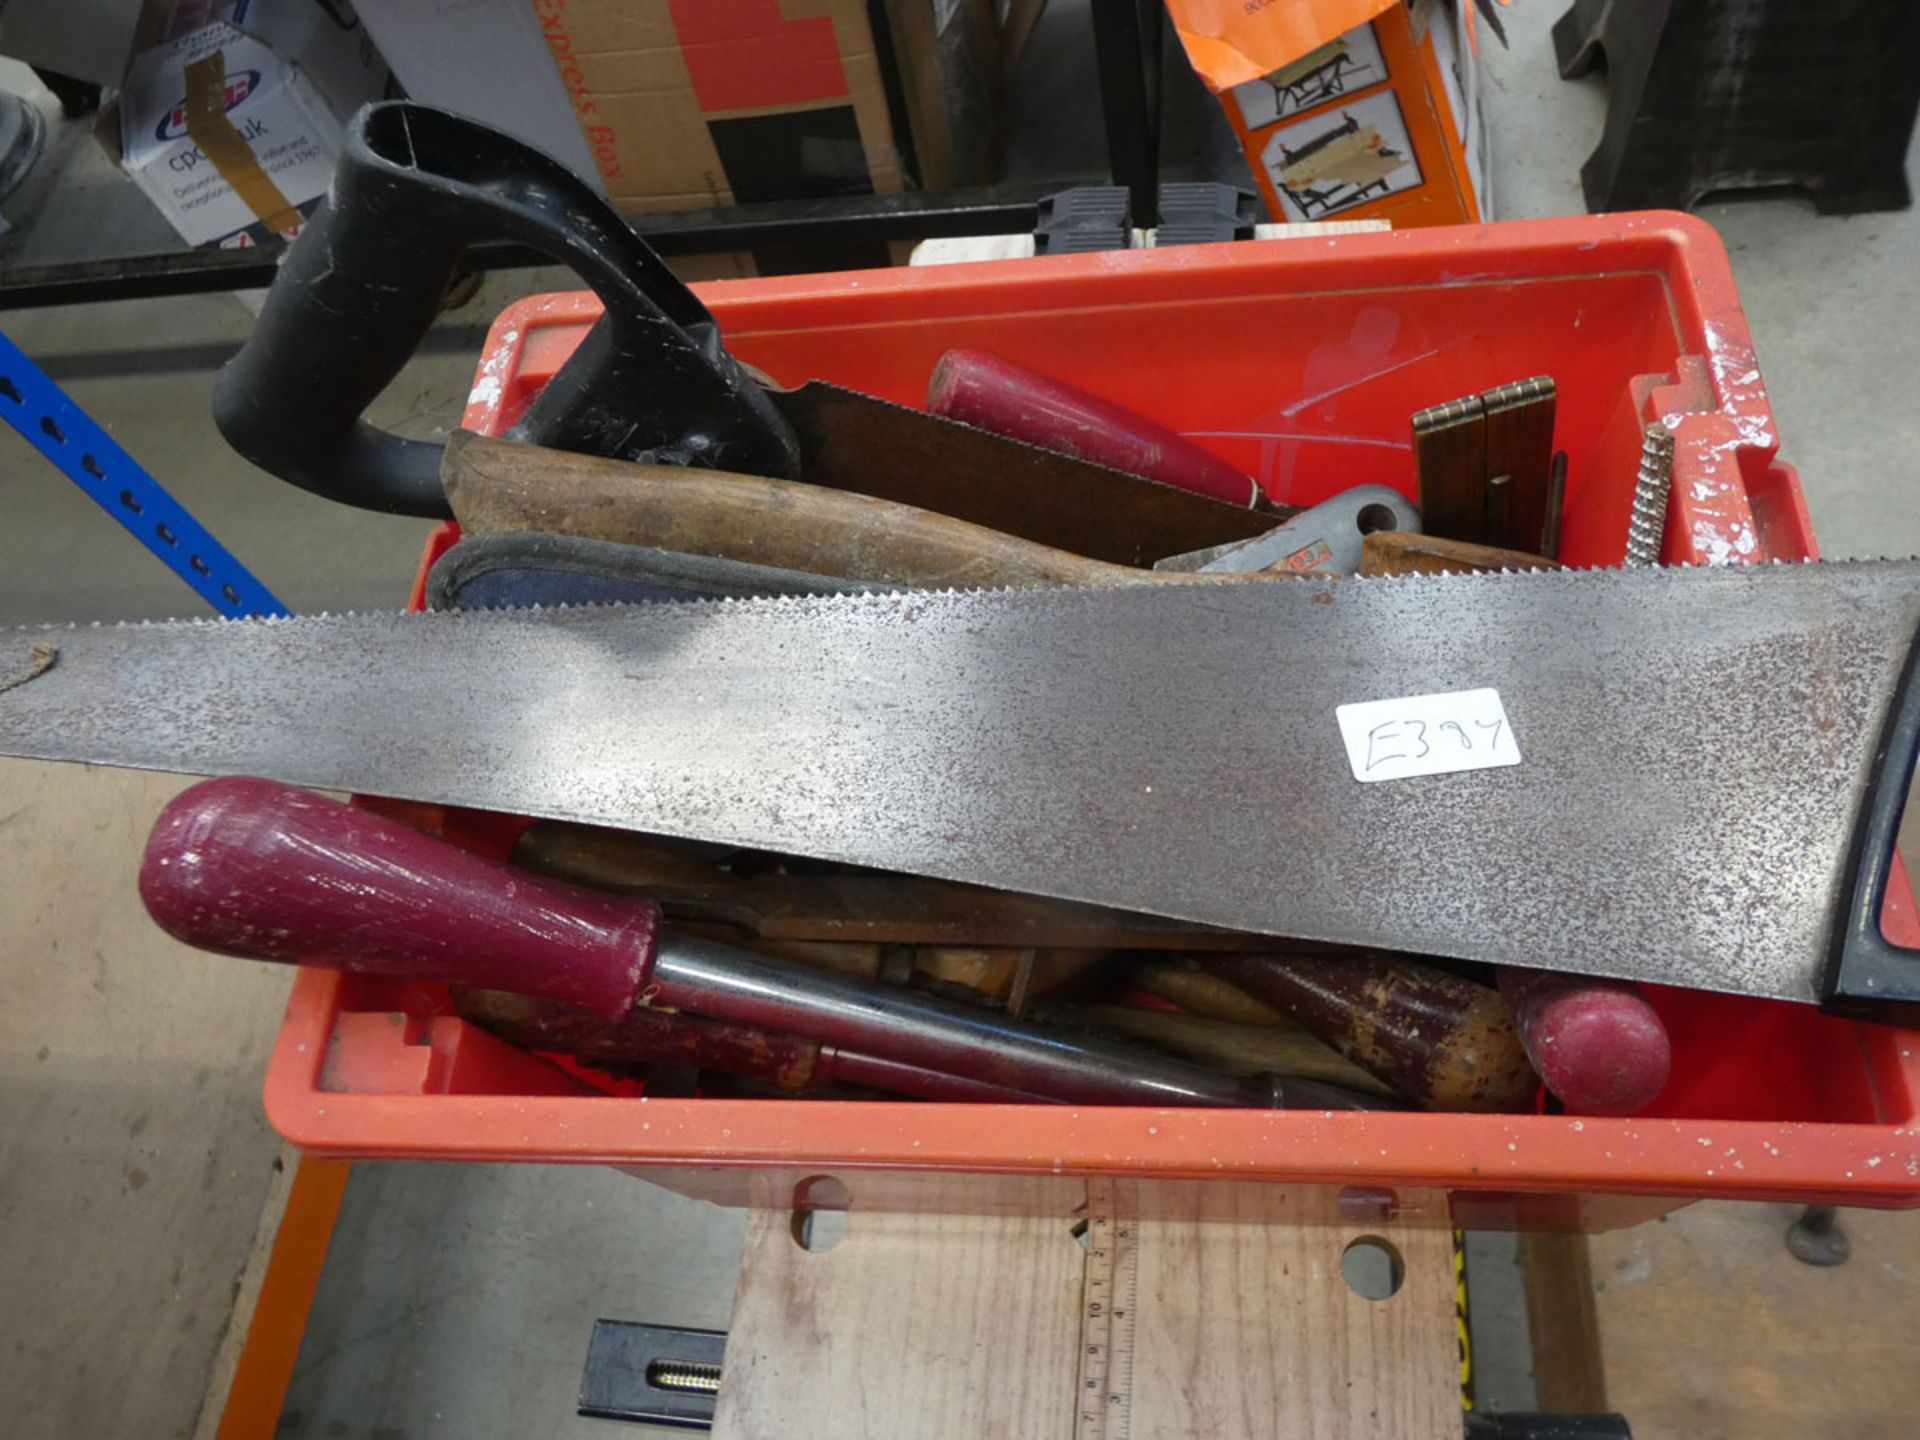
x=270 y=872
x=1238 y=1048
x=1182 y=981
x=1441 y=1041
x=645 y=1037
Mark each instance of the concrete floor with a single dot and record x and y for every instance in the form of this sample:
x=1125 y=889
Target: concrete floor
x=459 y=1299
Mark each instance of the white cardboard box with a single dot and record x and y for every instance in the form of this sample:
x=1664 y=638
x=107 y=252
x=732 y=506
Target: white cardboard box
x=295 y=71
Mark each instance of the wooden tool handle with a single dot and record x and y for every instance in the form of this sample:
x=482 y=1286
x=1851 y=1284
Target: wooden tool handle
x=1395 y=552
x=270 y=872
x=1200 y=992
x=499 y=485
x=1439 y=1040
x=1598 y=1044
x=1023 y=404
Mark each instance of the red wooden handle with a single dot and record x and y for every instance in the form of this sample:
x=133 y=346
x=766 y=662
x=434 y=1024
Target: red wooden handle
x=270 y=872
x=1598 y=1044
x=1022 y=404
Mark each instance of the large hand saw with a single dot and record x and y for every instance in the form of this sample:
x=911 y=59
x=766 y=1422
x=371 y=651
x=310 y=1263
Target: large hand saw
x=1702 y=772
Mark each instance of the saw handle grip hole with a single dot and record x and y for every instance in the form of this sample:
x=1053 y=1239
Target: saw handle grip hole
x=1372 y=1268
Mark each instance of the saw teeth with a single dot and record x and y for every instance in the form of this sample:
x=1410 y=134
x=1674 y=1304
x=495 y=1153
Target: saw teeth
x=884 y=596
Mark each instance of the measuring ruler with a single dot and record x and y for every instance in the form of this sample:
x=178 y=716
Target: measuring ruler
x=1109 y=1305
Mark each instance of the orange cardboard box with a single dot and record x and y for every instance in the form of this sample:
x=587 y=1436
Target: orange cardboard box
x=1361 y=109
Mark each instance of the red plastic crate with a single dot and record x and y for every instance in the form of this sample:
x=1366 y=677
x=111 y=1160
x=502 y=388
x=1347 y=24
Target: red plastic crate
x=1302 y=360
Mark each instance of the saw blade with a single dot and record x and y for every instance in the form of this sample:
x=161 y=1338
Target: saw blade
x=868 y=446
x=1693 y=744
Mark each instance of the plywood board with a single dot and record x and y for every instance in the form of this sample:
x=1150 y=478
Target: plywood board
x=966 y=1325
x=1247 y=1328
x=912 y=1324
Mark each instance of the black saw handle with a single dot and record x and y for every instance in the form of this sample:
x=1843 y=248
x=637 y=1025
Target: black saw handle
x=1868 y=976
x=414 y=188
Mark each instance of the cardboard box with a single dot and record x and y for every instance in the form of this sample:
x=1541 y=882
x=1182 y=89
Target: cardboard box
x=948 y=57
x=1379 y=121
x=291 y=72
x=486 y=60
x=693 y=103
x=671 y=104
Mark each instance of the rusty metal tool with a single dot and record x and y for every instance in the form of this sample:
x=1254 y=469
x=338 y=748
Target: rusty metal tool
x=269 y=872
x=1702 y=753
x=652 y=381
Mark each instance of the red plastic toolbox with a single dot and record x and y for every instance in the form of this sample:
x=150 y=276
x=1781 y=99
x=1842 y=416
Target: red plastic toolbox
x=1302 y=360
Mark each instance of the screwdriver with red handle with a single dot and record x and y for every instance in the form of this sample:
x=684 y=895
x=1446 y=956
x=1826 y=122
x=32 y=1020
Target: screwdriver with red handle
x=270 y=872
x=647 y=1037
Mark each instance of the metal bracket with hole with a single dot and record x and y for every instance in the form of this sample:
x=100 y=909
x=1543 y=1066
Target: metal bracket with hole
x=60 y=430
x=661 y=1374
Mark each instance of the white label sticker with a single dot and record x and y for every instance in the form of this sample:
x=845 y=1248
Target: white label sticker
x=1427 y=735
